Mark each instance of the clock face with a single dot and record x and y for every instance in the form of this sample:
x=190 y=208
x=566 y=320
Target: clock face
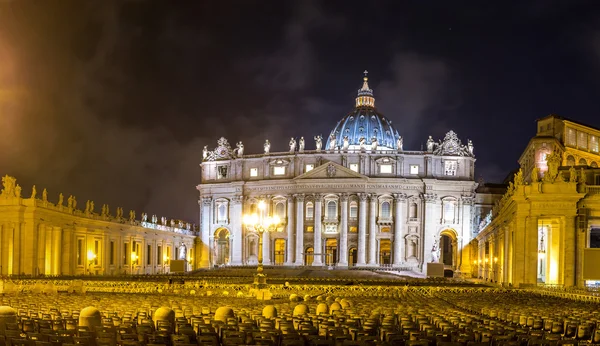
x=222 y=152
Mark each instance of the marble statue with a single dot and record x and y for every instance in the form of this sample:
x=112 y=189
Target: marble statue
x=70 y=202
x=87 y=206
x=435 y=257
x=535 y=175
x=374 y=143
x=182 y=252
x=346 y=144
x=60 y=199
x=33 y=192
x=239 y=149
x=572 y=175
x=267 y=146
x=103 y=210
x=188 y=226
x=318 y=142
x=144 y=217
x=154 y=218
x=292 y=145
x=131 y=215
x=581 y=179
x=332 y=141
x=430 y=144
x=163 y=220
x=470 y=146
x=399 y=143
x=45 y=195
x=301 y=145
x=363 y=143
x=205 y=152
x=9 y=183
x=74 y=203
x=91 y=206
x=18 y=191
x=519 y=178
x=172 y=223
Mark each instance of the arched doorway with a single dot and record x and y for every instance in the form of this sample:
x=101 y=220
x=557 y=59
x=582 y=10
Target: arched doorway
x=385 y=251
x=279 y=251
x=352 y=253
x=309 y=256
x=221 y=246
x=447 y=247
x=330 y=251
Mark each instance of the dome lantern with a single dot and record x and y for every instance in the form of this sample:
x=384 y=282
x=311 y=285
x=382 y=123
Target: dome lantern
x=365 y=94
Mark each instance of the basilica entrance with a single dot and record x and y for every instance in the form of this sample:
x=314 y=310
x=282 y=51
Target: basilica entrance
x=330 y=251
x=447 y=247
x=352 y=253
x=221 y=247
x=309 y=256
x=385 y=252
x=279 y=248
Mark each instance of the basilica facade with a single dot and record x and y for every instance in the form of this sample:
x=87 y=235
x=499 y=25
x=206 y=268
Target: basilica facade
x=355 y=199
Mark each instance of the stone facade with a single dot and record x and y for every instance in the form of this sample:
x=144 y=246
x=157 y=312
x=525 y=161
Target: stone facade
x=38 y=237
x=550 y=214
x=347 y=203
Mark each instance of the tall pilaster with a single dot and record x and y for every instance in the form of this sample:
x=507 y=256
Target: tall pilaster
x=205 y=203
x=236 y=228
x=266 y=235
x=362 y=230
x=373 y=229
x=317 y=231
x=343 y=253
x=570 y=251
x=399 y=223
x=432 y=214
x=299 y=229
x=290 y=231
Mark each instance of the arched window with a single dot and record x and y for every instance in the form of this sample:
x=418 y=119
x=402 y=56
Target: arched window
x=570 y=160
x=413 y=211
x=280 y=210
x=253 y=208
x=594 y=164
x=222 y=214
x=582 y=162
x=449 y=211
x=331 y=210
x=310 y=210
x=385 y=210
x=353 y=210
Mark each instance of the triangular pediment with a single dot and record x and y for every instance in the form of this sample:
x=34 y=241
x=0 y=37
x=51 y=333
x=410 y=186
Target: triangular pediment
x=331 y=170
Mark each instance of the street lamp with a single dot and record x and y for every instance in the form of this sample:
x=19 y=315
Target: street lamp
x=134 y=258
x=91 y=257
x=260 y=223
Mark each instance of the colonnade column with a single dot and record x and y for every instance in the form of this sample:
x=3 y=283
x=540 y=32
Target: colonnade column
x=317 y=230
x=372 y=229
x=362 y=230
x=343 y=253
x=299 y=229
x=290 y=231
x=399 y=222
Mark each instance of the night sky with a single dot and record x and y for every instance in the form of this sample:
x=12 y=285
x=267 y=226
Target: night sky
x=113 y=101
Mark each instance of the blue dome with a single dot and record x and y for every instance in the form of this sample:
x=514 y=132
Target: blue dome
x=364 y=123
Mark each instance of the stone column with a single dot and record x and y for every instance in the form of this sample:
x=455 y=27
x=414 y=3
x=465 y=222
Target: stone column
x=372 y=230
x=432 y=213
x=362 y=230
x=399 y=223
x=236 y=230
x=41 y=249
x=343 y=249
x=205 y=204
x=290 y=231
x=267 y=235
x=317 y=240
x=570 y=251
x=299 y=229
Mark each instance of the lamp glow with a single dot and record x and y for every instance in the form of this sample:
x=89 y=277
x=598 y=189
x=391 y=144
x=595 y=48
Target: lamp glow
x=91 y=255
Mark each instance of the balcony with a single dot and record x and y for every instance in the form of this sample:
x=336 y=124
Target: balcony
x=385 y=220
x=592 y=190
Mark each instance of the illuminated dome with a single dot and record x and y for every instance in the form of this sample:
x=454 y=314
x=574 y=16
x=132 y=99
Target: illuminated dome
x=365 y=123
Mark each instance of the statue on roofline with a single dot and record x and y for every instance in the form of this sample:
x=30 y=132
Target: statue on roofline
x=45 y=195
x=33 y=192
x=535 y=175
x=267 y=146
x=60 y=199
x=18 y=191
x=572 y=175
x=332 y=142
x=205 y=152
x=239 y=150
x=318 y=142
x=9 y=183
x=519 y=177
x=470 y=147
x=131 y=215
x=301 y=145
x=399 y=143
x=345 y=143
x=430 y=144
x=374 y=143
x=292 y=145
x=362 y=143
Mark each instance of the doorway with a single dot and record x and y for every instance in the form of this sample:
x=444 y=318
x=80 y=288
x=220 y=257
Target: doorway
x=221 y=247
x=330 y=251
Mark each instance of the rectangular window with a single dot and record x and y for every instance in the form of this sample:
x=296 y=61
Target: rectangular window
x=354 y=167
x=279 y=170
x=450 y=167
x=149 y=255
x=310 y=210
x=254 y=172
x=414 y=169
x=594 y=144
x=582 y=140
x=571 y=137
x=111 y=253
x=310 y=229
x=222 y=172
x=309 y=167
x=353 y=229
x=353 y=211
x=597 y=180
x=80 y=252
x=158 y=254
x=385 y=169
x=125 y=253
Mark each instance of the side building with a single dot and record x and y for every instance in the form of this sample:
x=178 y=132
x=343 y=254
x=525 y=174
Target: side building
x=38 y=237
x=360 y=199
x=546 y=228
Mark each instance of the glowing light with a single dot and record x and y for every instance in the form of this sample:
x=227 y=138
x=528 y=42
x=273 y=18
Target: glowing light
x=262 y=205
x=134 y=257
x=495 y=259
x=91 y=255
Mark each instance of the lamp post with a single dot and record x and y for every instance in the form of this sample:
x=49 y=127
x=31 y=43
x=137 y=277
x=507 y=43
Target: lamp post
x=91 y=257
x=134 y=258
x=261 y=223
